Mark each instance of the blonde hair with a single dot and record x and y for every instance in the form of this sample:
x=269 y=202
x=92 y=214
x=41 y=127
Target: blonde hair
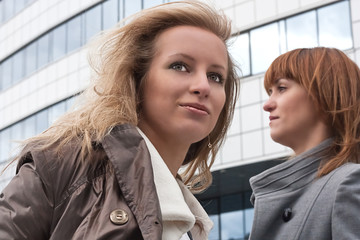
x=333 y=83
x=120 y=59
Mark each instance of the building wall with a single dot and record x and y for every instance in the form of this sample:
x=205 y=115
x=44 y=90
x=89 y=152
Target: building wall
x=250 y=130
x=33 y=101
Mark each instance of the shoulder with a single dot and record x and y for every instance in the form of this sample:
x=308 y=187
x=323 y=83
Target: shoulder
x=343 y=184
x=62 y=172
x=339 y=180
x=347 y=173
x=346 y=207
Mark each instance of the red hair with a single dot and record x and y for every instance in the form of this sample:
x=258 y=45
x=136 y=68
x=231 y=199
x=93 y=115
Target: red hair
x=333 y=82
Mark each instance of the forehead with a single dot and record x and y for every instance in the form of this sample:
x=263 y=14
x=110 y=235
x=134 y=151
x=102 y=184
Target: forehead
x=193 y=41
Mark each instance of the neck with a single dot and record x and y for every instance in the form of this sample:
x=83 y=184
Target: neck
x=312 y=141
x=172 y=151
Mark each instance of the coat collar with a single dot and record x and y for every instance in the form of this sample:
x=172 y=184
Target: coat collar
x=290 y=175
x=130 y=158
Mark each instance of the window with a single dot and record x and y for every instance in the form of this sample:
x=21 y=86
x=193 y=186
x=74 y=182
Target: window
x=41 y=121
x=212 y=209
x=73 y=33
x=1 y=11
x=43 y=51
x=264 y=45
x=29 y=127
x=30 y=59
x=8 y=9
x=6 y=73
x=301 y=31
x=328 y=26
x=335 y=28
x=19 y=5
x=253 y=50
x=231 y=215
x=92 y=22
x=152 y=3
x=16 y=135
x=18 y=64
x=110 y=13
x=131 y=7
x=56 y=111
x=239 y=50
x=4 y=145
x=58 y=42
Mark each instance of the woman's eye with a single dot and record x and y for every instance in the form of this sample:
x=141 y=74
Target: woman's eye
x=281 y=88
x=181 y=67
x=215 y=77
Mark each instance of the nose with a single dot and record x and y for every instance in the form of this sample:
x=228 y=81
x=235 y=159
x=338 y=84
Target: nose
x=200 y=85
x=269 y=105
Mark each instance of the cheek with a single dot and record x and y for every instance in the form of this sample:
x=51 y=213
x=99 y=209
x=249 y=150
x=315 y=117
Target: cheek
x=219 y=102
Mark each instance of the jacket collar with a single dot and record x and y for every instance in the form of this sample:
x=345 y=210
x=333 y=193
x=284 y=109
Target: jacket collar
x=290 y=175
x=130 y=158
x=176 y=215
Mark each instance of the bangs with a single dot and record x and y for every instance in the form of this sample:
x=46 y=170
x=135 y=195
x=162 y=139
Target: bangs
x=284 y=66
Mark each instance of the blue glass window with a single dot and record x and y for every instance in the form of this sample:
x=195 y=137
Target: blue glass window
x=42 y=121
x=335 y=26
x=302 y=31
x=18 y=64
x=132 y=6
x=73 y=33
x=264 y=45
x=152 y=3
x=58 y=42
x=30 y=59
x=110 y=13
x=92 y=22
x=4 y=145
x=43 y=51
x=240 y=52
x=6 y=73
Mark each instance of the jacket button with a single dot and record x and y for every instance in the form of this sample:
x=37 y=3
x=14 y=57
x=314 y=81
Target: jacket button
x=286 y=216
x=119 y=217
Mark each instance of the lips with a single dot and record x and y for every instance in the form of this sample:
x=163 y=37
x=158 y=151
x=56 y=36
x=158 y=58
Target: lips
x=273 y=118
x=196 y=107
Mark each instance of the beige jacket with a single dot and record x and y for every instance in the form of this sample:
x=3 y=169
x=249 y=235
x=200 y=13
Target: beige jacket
x=113 y=198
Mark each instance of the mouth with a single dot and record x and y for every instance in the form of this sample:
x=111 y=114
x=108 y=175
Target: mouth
x=273 y=118
x=196 y=107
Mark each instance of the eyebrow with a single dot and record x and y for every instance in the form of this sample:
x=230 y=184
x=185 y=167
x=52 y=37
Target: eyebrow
x=193 y=59
x=278 y=80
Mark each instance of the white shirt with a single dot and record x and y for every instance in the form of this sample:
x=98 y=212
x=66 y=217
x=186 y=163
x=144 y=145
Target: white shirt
x=176 y=215
x=181 y=211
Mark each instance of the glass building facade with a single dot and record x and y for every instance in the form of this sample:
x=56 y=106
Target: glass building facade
x=43 y=72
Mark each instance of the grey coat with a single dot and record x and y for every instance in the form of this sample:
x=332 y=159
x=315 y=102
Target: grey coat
x=291 y=203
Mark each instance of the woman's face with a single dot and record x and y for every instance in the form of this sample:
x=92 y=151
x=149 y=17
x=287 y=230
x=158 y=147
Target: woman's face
x=184 y=90
x=294 y=120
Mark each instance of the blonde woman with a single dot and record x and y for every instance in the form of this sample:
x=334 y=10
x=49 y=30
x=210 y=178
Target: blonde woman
x=314 y=108
x=163 y=97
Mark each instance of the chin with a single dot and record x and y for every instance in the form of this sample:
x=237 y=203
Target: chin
x=194 y=137
x=277 y=138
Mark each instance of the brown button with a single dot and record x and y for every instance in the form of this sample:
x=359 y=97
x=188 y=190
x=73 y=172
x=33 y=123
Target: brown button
x=119 y=217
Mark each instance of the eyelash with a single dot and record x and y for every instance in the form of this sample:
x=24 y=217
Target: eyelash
x=219 y=77
x=176 y=64
x=279 y=88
